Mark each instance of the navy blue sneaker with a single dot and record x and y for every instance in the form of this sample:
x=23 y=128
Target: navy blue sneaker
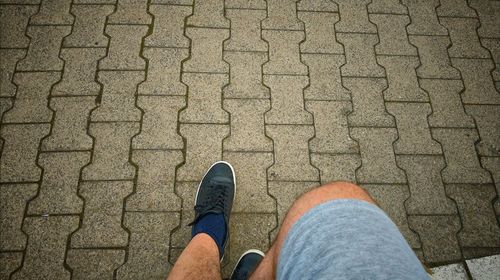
x=214 y=200
x=247 y=264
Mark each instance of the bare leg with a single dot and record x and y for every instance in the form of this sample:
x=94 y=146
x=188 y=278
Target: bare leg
x=200 y=260
x=331 y=191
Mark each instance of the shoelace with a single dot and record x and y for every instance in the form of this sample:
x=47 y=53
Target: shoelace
x=218 y=192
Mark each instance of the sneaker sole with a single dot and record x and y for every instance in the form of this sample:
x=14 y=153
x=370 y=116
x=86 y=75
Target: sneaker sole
x=242 y=255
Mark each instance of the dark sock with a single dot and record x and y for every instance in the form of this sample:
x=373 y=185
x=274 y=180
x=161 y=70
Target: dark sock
x=215 y=226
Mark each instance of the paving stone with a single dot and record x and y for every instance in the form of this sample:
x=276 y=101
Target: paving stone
x=484 y=268
x=206 y=50
x=87 y=2
x=204 y=103
x=493 y=45
x=438 y=235
x=58 y=190
x=168 y=27
x=18 y=161
x=488 y=125
x=488 y=12
x=282 y=14
x=44 y=257
x=492 y=164
x=377 y=156
x=287 y=100
x=454 y=271
x=154 y=189
x=9 y=59
x=149 y=244
x=317 y=6
x=291 y=153
x=392 y=32
x=69 y=128
x=479 y=227
x=391 y=199
x=173 y=2
x=245 y=75
x=94 y=263
x=181 y=236
x=22 y=2
x=78 y=77
x=10 y=262
x=320 y=33
x=245 y=4
x=102 y=215
x=130 y=12
x=5 y=105
x=54 y=12
x=455 y=8
x=470 y=253
x=124 y=48
x=44 y=48
x=402 y=79
x=413 y=129
x=368 y=102
x=159 y=123
x=89 y=25
x=245 y=30
x=435 y=63
x=110 y=158
x=118 y=96
x=203 y=147
x=330 y=123
x=354 y=17
x=284 y=52
x=247 y=125
x=387 y=7
x=360 y=55
x=424 y=20
x=208 y=14
x=447 y=108
x=479 y=86
x=13 y=200
x=462 y=163
x=14 y=19
x=250 y=169
x=428 y=196
x=464 y=39
x=324 y=74
x=336 y=167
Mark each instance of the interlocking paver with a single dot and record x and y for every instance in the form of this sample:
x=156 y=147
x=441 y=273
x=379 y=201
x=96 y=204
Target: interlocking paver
x=89 y=25
x=282 y=14
x=102 y=215
x=413 y=129
x=492 y=164
x=173 y=2
x=330 y=123
x=206 y=50
x=428 y=195
x=124 y=48
x=204 y=98
x=13 y=199
x=168 y=28
x=130 y=12
x=110 y=158
x=94 y=263
x=360 y=55
x=284 y=56
x=464 y=39
x=493 y=45
x=479 y=86
x=387 y=7
x=154 y=189
x=291 y=155
x=149 y=243
x=320 y=33
x=14 y=19
x=392 y=32
x=247 y=125
x=325 y=81
x=317 y=5
x=433 y=55
x=368 y=102
x=354 y=17
x=488 y=125
x=246 y=4
x=377 y=156
x=5 y=104
x=53 y=12
x=181 y=235
x=424 y=20
x=287 y=102
x=402 y=79
x=336 y=167
x=159 y=129
x=438 y=235
x=44 y=257
x=488 y=12
x=58 y=190
x=18 y=161
x=455 y=8
x=245 y=75
x=462 y=162
x=245 y=30
x=9 y=59
x=10 y=262
x=250 y=169
x=44 y=48
x=447 y=108
x=79 y=72
x=209 y=14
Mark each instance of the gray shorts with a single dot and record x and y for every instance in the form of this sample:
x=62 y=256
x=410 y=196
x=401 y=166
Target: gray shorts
x=347 y=239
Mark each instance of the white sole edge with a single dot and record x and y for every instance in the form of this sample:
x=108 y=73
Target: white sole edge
x=242 y=255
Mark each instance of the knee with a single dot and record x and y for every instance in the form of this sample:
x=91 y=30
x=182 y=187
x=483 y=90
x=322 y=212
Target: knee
x=336 y=190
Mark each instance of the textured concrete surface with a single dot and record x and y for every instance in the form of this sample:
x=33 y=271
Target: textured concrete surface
x=111 y=111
